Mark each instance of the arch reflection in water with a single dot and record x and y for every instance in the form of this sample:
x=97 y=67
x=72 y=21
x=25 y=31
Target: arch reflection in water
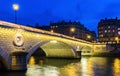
x=53 y=67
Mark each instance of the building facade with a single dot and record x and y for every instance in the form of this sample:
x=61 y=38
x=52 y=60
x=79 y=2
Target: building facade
x=109 y=31
x=73 y=29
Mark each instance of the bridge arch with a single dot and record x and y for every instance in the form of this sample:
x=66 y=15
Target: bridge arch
x=54 y=48
x=86 y=50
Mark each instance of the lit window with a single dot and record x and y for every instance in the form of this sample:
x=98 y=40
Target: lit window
x=108 y=26
x=119 y=32
x=108 y=30
x=118 y=28
x=105 y=30
x=113 y=30
x=101 y=35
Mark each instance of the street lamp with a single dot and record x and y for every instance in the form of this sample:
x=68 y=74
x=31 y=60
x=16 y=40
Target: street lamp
x=72 y=30
x=15 y=7
x=88 y=36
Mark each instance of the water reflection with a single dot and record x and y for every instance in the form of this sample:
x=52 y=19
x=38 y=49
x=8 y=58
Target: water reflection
x=70 y=70
x=94 y=66
x=31 y=61
x=42 y=71
x=54 y=67
x=86 y=66
x=116 y=67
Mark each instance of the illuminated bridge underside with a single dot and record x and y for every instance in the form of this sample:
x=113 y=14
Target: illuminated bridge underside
x=58 y=49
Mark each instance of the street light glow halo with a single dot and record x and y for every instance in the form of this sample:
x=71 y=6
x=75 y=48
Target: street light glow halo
x=15 y=7
x=72 y=29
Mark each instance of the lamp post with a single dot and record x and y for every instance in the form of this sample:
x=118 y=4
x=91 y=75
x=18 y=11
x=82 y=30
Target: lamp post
x=15 y=7
x=89 y=37
x=72 y=30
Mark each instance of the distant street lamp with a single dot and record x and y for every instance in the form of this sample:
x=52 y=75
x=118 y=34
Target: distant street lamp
x=15 y=7
x=88 y=36
x=72 y=30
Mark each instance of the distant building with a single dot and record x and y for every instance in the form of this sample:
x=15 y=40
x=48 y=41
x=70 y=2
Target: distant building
x=73 y=29
x=109 y=31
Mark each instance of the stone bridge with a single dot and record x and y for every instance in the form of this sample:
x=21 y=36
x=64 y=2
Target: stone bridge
x=18 y=43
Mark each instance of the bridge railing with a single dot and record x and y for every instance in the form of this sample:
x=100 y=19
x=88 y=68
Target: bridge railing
x=8 y=24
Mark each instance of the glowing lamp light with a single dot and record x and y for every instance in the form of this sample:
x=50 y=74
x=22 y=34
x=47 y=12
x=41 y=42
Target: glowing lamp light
x=116 y=38
x=72 y=29
x=15 y=7
x=52 y=31
x=88 y=36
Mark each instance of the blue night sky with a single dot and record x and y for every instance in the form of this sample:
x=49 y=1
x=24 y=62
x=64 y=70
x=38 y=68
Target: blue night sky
x=88 y=12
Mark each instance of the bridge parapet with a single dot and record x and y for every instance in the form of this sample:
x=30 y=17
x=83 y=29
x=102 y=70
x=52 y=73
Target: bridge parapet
x=12 y=25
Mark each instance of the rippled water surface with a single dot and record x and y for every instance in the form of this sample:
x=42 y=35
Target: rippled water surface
x=86 y=66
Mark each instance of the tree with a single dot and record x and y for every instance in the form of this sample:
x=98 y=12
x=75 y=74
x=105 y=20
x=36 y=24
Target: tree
x=37 y=25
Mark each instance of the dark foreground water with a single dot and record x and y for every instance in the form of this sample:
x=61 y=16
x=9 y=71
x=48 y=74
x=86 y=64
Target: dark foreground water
x=86 y=66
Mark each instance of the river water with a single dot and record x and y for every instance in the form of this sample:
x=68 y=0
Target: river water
x=86 y=66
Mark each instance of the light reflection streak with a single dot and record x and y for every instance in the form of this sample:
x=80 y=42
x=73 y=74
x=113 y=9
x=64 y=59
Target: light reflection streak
x=42 y=71
x=84 y=66
x=116 y=67
x=92 y=66
x=31 y=61
x=70 y=70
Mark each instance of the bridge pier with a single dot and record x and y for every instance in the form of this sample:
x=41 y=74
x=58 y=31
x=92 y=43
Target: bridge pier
x=78 y=54
x=18 y=61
